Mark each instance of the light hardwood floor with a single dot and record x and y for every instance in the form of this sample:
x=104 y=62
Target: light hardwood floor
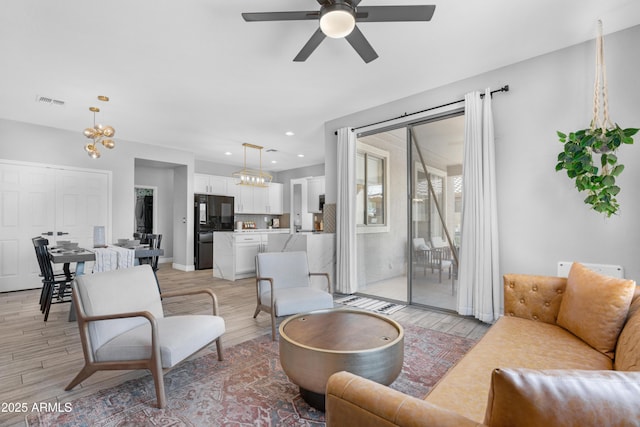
x=38 y=359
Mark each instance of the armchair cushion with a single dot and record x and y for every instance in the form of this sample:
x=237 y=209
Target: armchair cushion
x=179 y=337
x=525 y=397
x=291 y=269
x=118 y=291
x=420 y=245
x=298 y=300
x=594 y=307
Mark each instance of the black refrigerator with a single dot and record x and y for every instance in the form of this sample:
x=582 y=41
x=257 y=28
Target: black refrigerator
x=211 y=213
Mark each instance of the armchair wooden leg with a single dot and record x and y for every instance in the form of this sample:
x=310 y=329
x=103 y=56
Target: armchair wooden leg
x=84 y=373
x=273 y=325
x=158 y=380
x=257 y=311
x=219 y=348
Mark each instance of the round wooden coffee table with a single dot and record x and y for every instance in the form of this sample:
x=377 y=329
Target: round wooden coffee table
x=315 y=345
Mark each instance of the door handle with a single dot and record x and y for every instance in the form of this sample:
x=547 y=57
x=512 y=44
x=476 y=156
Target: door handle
x=47 y=233
x=61 y=233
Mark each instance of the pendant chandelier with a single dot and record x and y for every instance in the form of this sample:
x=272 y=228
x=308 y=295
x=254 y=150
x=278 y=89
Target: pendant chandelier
x=98 y=134
x=252 y=177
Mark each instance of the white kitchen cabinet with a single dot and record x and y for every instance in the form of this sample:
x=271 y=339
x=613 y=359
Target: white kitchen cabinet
x=246 y=248
x=234 y=254
x=259 y=200
x=243 y=202
x=212 y=184
x=315 y=188
x=276 y=199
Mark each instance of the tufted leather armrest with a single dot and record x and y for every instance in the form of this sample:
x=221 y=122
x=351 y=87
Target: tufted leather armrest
x=533 y=297
x=353 y=401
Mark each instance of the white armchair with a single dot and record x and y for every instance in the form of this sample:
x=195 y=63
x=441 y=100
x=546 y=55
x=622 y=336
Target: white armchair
x=283 y=286
x=122 y=325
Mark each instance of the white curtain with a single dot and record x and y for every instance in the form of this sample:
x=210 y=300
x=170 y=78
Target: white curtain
x=345 y=213
x=479 y=279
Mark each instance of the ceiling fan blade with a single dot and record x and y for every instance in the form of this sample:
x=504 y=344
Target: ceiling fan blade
x=357 y=40
x=281 y=16
x=311 y=45
x=395 y=13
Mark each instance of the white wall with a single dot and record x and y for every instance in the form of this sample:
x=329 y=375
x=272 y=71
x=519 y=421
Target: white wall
x=542 y=219
x=31 y=143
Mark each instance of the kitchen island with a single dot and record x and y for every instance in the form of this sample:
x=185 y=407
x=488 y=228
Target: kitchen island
x=234 y=252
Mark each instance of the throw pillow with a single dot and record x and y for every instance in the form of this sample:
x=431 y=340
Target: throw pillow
x=594 y=307
x=527 y=398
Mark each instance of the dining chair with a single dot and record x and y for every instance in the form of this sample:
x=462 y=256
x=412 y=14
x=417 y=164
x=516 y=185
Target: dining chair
x=283 y=286
x=154 y=241
x=132 y=332
x=56 y=288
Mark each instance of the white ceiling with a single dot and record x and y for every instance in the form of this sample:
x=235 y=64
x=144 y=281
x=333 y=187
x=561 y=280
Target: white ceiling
x=193 y=75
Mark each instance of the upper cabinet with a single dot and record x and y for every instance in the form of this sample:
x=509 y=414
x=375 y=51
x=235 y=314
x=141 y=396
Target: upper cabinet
x=315 y=188
x=259 y=200
x=247 y=199
x=276 y=199
x=212 y=184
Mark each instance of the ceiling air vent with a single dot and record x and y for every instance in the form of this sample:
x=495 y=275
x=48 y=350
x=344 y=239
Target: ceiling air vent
x=49 y=101
x=271 y=150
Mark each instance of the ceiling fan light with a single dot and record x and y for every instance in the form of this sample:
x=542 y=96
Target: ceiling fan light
x=337 y=21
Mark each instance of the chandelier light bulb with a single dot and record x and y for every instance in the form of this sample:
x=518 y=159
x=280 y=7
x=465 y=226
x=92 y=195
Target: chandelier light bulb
x=89 y=133
x=108 y=143
x=108 y=131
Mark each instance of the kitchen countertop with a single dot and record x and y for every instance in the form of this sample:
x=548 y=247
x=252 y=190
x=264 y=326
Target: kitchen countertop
x=262 y=230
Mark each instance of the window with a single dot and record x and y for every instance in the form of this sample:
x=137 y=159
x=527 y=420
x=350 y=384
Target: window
x=371 y=187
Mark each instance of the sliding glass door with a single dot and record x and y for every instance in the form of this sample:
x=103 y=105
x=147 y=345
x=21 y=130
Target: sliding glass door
x=436 y=201
x=408 y=214
x=382 y=217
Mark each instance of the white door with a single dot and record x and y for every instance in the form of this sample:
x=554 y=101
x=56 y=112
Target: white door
x=81 y=203
x=38 y=200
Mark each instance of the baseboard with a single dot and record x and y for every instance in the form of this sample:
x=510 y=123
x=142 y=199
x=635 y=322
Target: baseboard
x=183 y=267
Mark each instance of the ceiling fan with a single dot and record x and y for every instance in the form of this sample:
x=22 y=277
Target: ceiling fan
x=338 y=20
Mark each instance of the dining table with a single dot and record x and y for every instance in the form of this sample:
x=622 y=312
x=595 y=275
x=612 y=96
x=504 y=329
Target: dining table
x=81 y=255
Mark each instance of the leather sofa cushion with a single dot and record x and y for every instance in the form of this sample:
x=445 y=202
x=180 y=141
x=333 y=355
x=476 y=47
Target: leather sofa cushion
x=511 y=342
x=628 y=347
x=527 y=398
x=595 y=307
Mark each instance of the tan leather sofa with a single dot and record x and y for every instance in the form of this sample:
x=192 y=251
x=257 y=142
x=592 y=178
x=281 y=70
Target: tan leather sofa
x=566 y=352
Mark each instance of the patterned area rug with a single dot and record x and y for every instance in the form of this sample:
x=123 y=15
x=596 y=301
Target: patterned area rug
x=382 y=307
x=248 y=388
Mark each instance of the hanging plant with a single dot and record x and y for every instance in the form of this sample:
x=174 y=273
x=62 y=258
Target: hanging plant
x=589 y=155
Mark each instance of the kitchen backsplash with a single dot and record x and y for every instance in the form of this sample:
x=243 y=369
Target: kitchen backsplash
x=259 y=220
x=329 y=218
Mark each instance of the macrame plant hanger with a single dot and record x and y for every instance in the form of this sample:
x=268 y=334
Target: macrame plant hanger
x=600 y=121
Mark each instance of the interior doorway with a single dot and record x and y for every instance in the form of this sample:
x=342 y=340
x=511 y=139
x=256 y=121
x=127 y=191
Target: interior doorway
x=145 y=209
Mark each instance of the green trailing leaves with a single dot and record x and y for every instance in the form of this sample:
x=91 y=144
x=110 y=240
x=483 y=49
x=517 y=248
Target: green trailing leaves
x=585 y=147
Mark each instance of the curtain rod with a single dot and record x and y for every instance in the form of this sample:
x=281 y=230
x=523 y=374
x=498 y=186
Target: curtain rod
x=504 y=88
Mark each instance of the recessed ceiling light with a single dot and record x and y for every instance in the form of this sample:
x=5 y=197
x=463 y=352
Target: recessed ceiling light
x=274 y=161
x=300 y=155
x=228 y=153
x=289 y=133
